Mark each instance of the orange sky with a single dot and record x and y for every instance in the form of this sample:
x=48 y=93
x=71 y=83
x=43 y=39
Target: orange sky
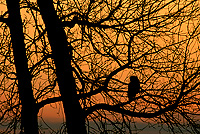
x=55 y=114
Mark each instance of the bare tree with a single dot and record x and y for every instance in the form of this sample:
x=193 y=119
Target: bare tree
x=62 y=54
x=28 y=112
x=101 y=44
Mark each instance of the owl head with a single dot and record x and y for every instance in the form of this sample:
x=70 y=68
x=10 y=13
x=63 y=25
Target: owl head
x=134 y=79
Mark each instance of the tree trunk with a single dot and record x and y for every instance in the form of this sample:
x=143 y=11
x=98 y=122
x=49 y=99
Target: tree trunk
x=61 y=51
x=28 y=114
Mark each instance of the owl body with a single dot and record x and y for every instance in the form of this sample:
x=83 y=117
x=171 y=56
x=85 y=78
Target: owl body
x=133 y=87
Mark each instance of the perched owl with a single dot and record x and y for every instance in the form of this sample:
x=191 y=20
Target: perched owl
x=133 y=87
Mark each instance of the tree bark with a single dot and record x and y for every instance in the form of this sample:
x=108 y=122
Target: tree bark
x=28 y=114
x=61 y=51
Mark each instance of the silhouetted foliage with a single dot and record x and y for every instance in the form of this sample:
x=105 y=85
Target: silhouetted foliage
x=107 y=42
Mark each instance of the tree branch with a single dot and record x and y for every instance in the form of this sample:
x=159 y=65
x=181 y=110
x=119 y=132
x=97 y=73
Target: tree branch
x=47 y=101
x=117 y=108
x=2 y=19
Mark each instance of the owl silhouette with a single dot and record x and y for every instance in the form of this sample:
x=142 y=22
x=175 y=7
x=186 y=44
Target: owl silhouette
x=133 y=87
